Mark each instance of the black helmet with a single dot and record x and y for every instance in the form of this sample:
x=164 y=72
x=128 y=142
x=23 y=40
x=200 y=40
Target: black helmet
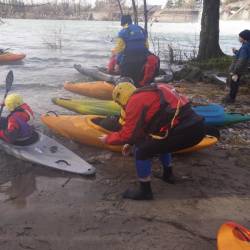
x=126 y=19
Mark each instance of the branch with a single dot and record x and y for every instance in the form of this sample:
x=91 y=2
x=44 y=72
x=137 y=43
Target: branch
x=120 y=6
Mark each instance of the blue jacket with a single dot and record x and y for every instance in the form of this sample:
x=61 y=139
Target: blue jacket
x=135 y=39
x=244 y=51
x=242 y=57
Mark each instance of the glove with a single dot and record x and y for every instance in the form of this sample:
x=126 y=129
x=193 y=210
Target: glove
x=126 y=150
x=235 y=78
x=103 y=138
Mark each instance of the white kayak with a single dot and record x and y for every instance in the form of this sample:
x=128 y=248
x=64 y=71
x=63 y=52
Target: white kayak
x=100 y=74
x=48 y=152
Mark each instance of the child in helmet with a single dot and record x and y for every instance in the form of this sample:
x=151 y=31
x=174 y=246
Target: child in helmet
x=15 y=127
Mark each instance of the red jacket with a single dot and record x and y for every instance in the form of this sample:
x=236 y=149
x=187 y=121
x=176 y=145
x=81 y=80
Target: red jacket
x=13 y=130
x=135 y=107
x=151 y=69
x=111 y=64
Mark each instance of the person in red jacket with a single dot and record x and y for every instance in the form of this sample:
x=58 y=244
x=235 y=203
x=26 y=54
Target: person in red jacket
x=158 y=121
x=15 y=127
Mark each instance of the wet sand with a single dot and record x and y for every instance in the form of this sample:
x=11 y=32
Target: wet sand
x=45 y=209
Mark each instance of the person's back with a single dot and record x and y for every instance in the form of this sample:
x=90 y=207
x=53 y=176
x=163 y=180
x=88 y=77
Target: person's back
x=131 y=49
x=135 y=39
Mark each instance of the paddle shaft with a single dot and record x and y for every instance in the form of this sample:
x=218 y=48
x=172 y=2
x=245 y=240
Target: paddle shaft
x=2 y=105
x=8 y=85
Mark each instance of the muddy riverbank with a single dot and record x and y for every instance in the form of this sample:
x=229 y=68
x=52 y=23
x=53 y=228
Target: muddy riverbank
x=44 y=209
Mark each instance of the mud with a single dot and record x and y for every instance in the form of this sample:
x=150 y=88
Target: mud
x=45 y=209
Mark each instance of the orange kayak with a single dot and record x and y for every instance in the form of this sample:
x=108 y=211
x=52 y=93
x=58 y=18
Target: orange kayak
x=82 y=129
x=232 y=236
x=11 y=57
x=99 y=89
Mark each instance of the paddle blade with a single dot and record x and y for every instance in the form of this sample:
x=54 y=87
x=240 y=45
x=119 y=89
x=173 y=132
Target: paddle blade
x=9 y=80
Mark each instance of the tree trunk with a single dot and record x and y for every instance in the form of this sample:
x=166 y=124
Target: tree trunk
x=209 y=36
x=120 y=6
x=145 y=16
x=135 y=12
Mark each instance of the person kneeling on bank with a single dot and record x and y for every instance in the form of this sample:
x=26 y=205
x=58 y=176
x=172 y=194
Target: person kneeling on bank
x=158 y=121
x=16 y=126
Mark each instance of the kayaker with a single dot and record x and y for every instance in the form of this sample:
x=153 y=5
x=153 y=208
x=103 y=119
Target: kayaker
x=131 y=49
x=239 y=66
x=16 y=126
x=150 y=70
x=158 y=121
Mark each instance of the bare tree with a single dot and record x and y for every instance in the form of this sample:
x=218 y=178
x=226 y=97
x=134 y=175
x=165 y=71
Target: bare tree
x=135 y=12
x=120 y=6
x=145 y=15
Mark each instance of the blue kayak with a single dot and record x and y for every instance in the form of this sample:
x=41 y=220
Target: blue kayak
x=215 y=115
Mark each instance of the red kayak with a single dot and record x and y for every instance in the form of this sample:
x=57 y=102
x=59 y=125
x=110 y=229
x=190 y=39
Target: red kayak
x=11 y=57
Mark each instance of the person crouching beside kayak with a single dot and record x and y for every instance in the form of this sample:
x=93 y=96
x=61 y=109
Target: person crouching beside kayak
x=131 y=49
x=158 y=121
x=239 y=66
x=15 y=127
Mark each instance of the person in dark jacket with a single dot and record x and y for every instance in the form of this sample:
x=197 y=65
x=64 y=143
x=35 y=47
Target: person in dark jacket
x=16 y=126
x=239 y=66
x=131 y=49
x=158 y=121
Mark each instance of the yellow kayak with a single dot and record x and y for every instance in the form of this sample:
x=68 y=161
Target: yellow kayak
x=100 y=89
x=82 y=129
x=232 y=236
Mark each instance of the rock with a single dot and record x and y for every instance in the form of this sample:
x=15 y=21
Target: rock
x=214 y=78
x=102 y=158
x=189 y=73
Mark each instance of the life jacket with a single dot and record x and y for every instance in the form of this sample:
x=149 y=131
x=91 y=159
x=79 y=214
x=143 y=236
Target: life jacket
x=151 y=70
x=135 y=38
x=25 y=127
x=122 y=117
x=175 y=109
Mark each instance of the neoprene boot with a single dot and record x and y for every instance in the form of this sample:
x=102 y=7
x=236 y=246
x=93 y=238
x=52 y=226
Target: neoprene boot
x=168 y=175
x=143 y=193
x=167 y=169
x=228 y=100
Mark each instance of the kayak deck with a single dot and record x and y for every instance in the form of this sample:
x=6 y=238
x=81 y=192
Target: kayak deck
x=82 y=129
x=48 y=152
x=88 y=106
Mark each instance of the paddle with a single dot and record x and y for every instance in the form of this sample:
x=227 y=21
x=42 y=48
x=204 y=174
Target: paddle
x=8 y=84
